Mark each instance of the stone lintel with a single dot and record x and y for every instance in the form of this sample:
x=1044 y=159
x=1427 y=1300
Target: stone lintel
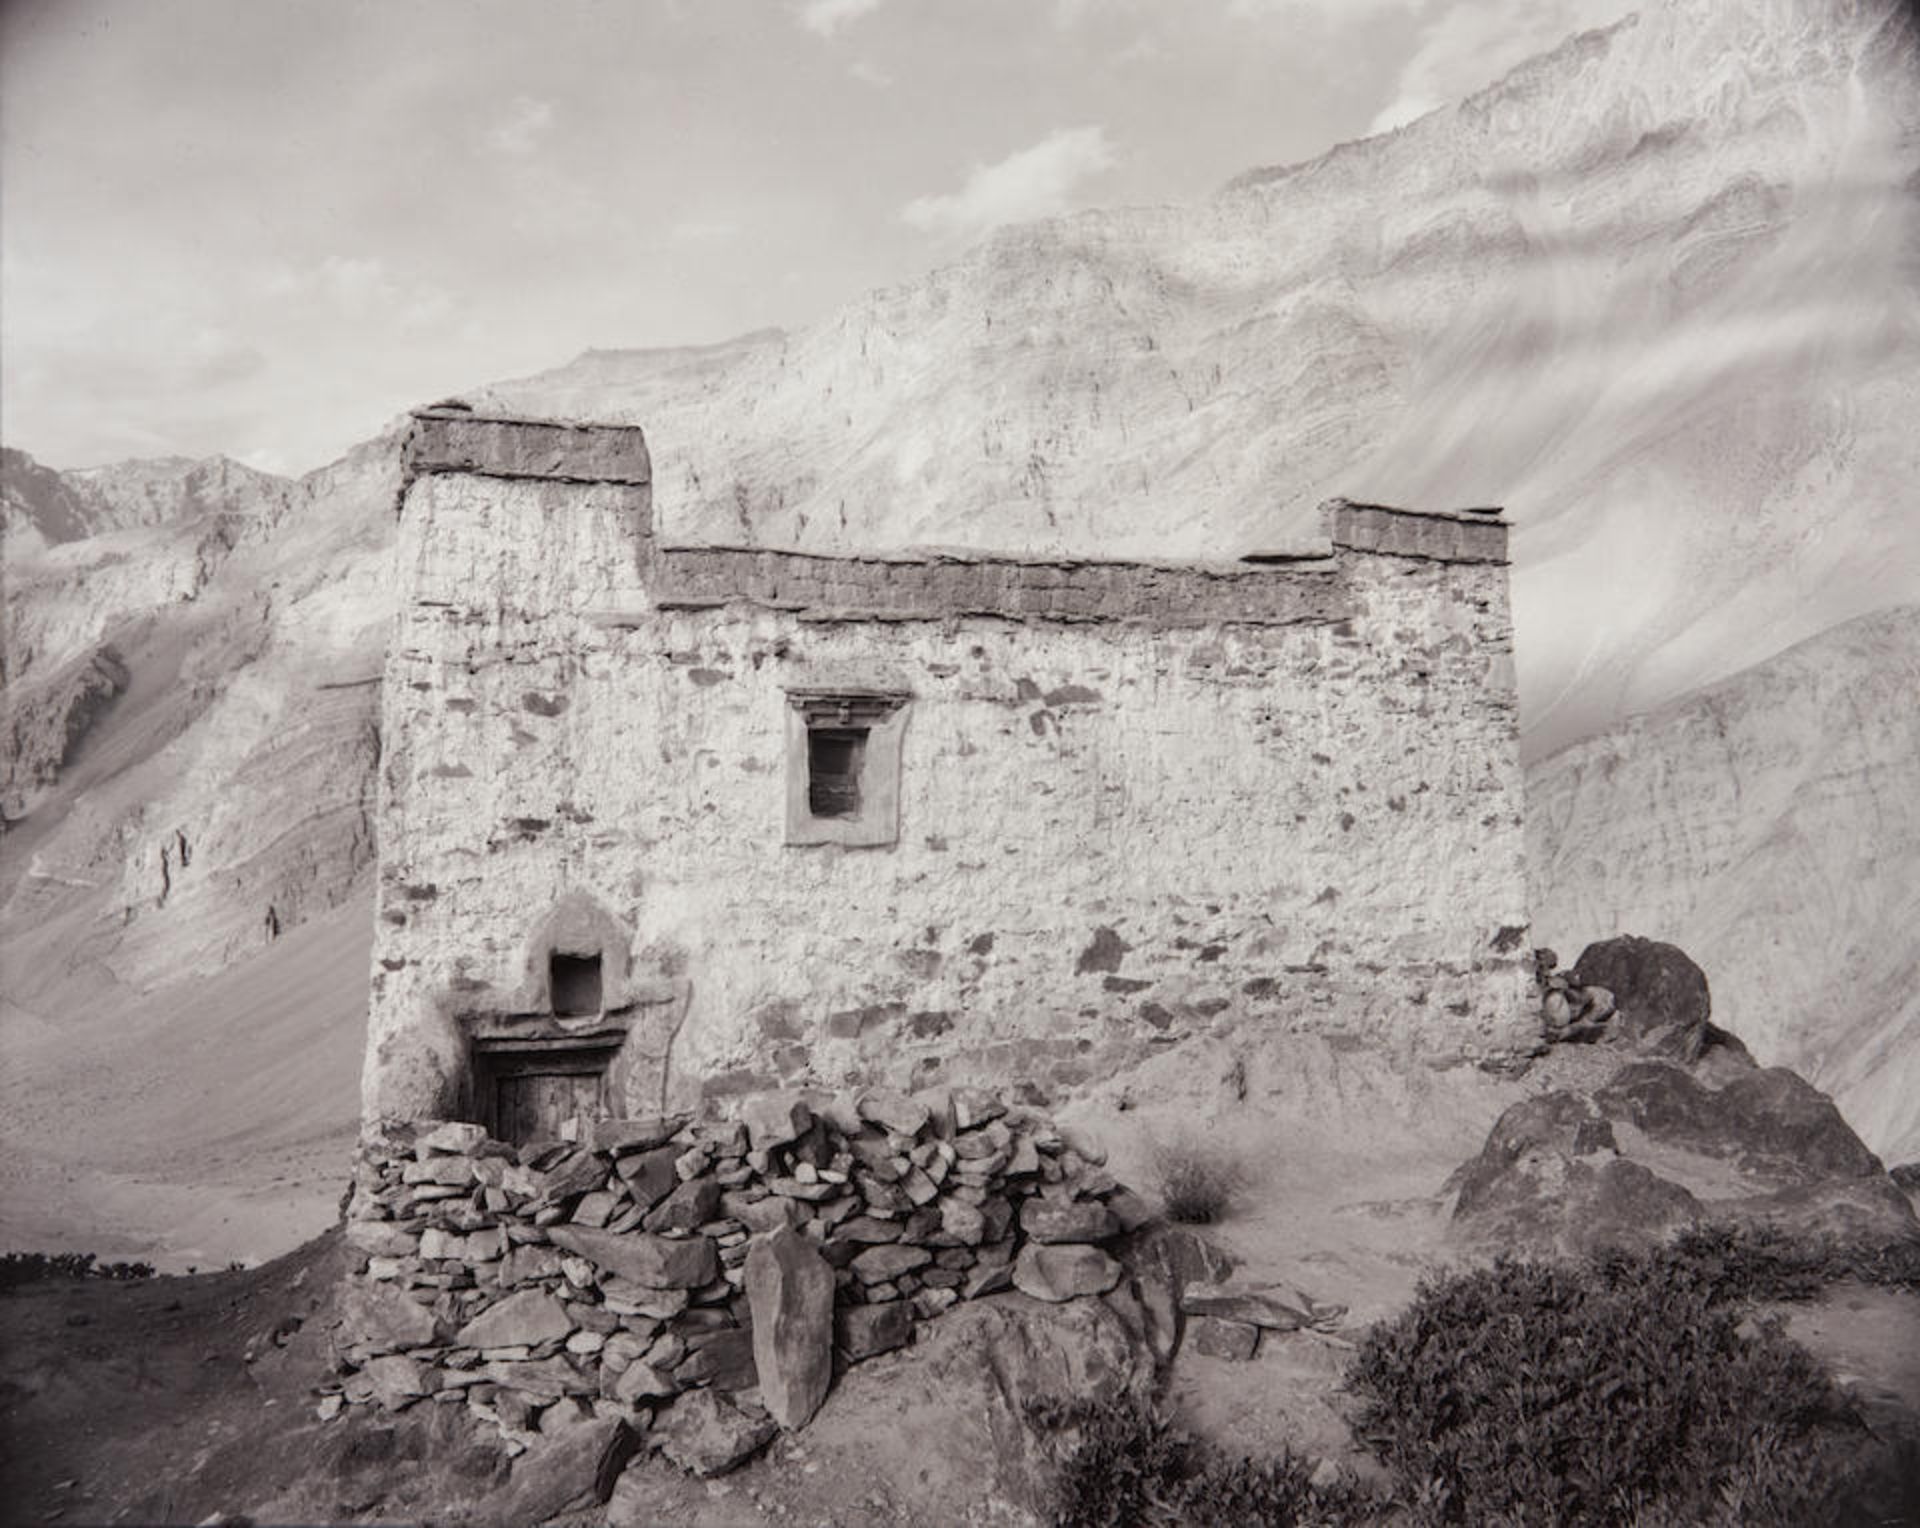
x=1471 y=535
x=445 y=439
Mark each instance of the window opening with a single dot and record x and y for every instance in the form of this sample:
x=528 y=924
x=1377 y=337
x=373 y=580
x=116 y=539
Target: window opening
x=574 y=982
x=835 y=756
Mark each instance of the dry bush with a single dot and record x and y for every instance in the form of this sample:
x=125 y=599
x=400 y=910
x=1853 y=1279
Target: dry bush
x=1198 y=1180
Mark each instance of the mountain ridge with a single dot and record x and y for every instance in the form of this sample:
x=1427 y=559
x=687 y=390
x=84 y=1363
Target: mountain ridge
x=1681 y=340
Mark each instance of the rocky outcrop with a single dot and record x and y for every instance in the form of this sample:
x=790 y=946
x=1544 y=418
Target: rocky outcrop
x=46 y=721
x=1653 y=1147
x=1769 y=826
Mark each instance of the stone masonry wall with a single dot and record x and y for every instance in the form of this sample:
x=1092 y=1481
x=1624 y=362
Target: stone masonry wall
x=1135 y=803
x=617 y=1272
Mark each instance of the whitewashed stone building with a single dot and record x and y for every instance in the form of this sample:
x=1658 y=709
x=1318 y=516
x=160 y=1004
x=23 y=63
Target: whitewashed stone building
x=660 y=825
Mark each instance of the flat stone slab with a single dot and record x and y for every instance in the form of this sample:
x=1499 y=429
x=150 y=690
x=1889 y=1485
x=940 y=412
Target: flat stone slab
x=1217 y=1337
x=525 y=1319
x=661 y=1262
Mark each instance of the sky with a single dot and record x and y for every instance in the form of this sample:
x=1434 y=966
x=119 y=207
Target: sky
x=264 y=228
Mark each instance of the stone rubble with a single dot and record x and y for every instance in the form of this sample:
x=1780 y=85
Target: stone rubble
x=694 y=1282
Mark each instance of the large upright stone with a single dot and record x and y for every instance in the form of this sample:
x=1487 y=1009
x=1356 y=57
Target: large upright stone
x=790 y=1292
x=657 y=1261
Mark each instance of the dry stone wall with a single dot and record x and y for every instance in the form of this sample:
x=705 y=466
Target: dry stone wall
x=1134 y=803
x=652 y=1258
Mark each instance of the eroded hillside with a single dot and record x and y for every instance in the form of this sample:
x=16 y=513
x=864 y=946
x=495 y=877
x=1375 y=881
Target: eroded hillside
x=1656 y=292
x=1769 y=825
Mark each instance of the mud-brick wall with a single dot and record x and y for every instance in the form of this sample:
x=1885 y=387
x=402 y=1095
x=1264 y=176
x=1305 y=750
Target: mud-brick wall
x=611 y=1270
x=1117 y=828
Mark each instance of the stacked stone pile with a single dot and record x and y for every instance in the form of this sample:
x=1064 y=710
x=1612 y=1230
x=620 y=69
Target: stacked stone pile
x=611 y=1274
x=1569 y=1009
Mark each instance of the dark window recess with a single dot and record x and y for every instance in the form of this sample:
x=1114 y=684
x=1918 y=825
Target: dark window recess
x=574 y=981
x=834 y=757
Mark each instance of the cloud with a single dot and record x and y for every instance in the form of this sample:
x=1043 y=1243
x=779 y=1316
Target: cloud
x=703 y=230
x=360 y=288
x=1033 y=182
x=521 y=127
x=1470 y=45
x=825 y=17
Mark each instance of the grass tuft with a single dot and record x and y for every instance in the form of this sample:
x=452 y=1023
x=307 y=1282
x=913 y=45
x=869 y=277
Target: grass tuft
x=1198 y=1180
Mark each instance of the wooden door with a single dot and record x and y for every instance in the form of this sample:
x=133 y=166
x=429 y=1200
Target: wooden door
x=532 y=1097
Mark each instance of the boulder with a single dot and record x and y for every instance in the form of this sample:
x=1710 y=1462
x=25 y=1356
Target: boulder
x=526 y=1318
x=1655 y=987
x=944 y=1423
x=659 y=1261
x=1653 y=1148
x=1063 y=1271
x=1073 y=1220
x=1773 y=1121
x=706 y=1434
x=572 y=1463
x=790 y=1292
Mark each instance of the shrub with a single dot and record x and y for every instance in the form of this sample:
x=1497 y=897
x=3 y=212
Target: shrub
x=1198 y=1180
x=1629 y=1389
x=1123 y=1466
x=17 y=1268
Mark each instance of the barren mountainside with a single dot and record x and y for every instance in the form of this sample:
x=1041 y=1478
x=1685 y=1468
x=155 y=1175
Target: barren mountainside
x=1657 y=292
x=1770 y=826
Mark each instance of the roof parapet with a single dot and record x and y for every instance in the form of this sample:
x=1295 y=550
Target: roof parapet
x=452 y=438
x=1436 y=535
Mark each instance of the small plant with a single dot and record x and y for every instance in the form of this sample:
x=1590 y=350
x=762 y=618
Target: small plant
x=1198 y=1180
x=18 y=1268
x=1125 y=1466
x=1629 y=1389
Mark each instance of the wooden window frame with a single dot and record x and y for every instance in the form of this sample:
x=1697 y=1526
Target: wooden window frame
x=882 y=715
